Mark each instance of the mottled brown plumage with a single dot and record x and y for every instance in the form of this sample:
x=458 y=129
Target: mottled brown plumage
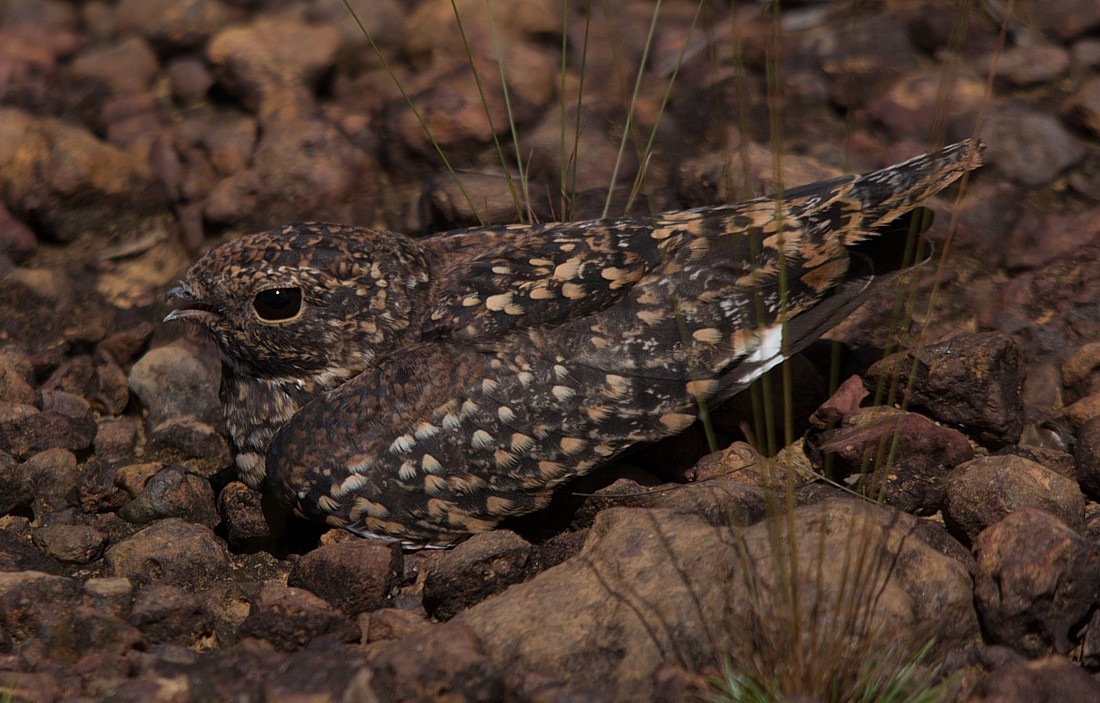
x=423 y=390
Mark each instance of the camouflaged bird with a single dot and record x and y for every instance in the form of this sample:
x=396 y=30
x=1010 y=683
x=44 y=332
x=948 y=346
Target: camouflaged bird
x=422 y=390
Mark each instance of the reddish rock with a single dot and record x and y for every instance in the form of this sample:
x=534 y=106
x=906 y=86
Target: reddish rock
x=170 y=551
x=290 y=618
x=173 y=492
x=971 y=381
x=481 y=566
x=980 y=493
x=1051 y=679
x=902 y=457
x=241 y=510
x=444 y=662
x=170 y=614
x=1036 y=581
x=71 y=544
x=354 y=576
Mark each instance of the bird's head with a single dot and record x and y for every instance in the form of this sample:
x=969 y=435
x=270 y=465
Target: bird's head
x=315 y=302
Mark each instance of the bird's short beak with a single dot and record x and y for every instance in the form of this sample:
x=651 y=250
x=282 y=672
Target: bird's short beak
x=191 y=308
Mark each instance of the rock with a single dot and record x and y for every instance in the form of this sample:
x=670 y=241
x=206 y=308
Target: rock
x=173 y=492
x=483 y=565
x=1086 y=456
x=67 y=404
x=170 y=614
x=229 y=604
x=241 y=510
x=17 y=240
x=190 y=79
x=126 y=67
x=1029 y=146
x=170 y=551
x=174 y=381
x=115 y=439
x=449 y=665
x=639 y=597
x=203 y=447
x=391 y=624
x=1052 y=679
x=111 y=595
x=901 y=457
x=980 y=493
x=1031 y=62
x=71 y=544
x=45 y=431
x=1080 y=365
x=971 y=381
x=17 y=554
x=354 y=576
x=15 y=386
x=1068 y=20
x=719 y=499
x=34 y=604
x=290 y=618
x=55 y=477
x=16 y=489
x=1036 y=581
x=68 y=178
x=1084 y=106
x=172 y=26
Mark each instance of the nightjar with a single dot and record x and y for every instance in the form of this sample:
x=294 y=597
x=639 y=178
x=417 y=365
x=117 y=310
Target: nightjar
x=422 y=390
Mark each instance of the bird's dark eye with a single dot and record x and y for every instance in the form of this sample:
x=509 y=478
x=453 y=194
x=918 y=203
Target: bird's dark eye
x=276 y=304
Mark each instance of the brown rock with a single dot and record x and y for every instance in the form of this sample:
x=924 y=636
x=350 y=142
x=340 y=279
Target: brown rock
x=126 y=67
x=902 y=457
x=71 y=544
x=174 y=25
x=115 y=439
x=1066 y=20
x=173 y=492
x=229 y=604
x=170 y=614
x=1080 y=365
x=482 y=566
x=449 y=664
x=1086 y=456
x=68 y=178
x=391 y=624
x=971 y=381
x=981 y=492
x=192 y=439
x=290 y=618
x=15 y=386
x=1036 y=581
x=45 y=431
x=33 y=604
x=1052 y=679
x=1084 y=106
x=641 y=594
x=111 y=595
x=175 y=381
x=17 y=240
x=1032 y=61
x=354 y=576
x=1029 y=146
x=111 y=394
x=56 y=478
x=190 y=79
x=17 y=554
x=67 y=404
x=16 y=489
x=170 y=551
x=241 y=509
